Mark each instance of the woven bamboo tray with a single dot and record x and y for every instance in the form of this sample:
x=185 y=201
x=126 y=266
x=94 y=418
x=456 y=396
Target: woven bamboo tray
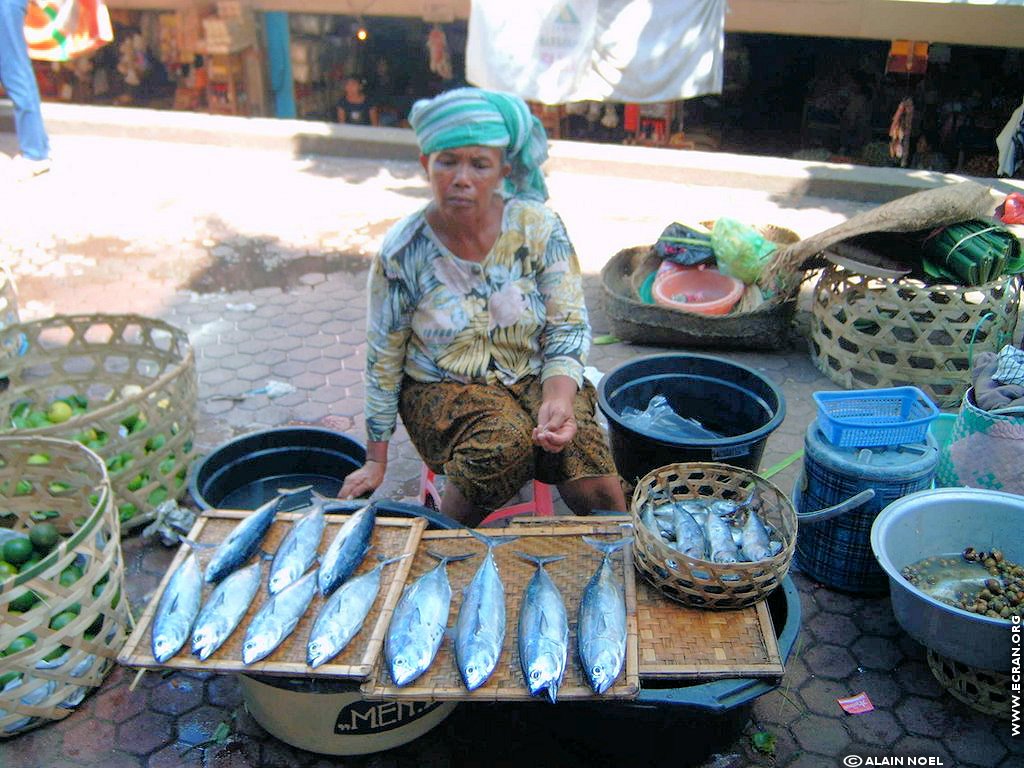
x=869 y=332
x=984 y=690
x=442 y=680
x=391 y=537
x=134 y=371
x=85 y=647
x=675 y=642
x=700 y=583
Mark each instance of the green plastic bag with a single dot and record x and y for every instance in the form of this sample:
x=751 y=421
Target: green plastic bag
x=741 y=251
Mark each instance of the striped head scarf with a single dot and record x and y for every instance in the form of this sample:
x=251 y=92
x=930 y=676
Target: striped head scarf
x=465 y=117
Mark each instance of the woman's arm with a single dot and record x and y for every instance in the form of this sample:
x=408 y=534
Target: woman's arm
x=565 y=340
x=556 y=422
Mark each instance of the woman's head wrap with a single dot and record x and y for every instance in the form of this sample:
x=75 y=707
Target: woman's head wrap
x=465 y=117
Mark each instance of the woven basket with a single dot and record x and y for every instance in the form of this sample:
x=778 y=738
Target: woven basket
x=871 y=332
x=62 y=665
x=700 y=583
x=981 y=689
x=8 y=298
x=139 y=377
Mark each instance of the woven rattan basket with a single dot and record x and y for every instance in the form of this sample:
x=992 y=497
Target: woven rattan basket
x=981 y=689
x=8 y=298
x=869 y=332
x=139 y=377
x=67 y=485
x=700 y=583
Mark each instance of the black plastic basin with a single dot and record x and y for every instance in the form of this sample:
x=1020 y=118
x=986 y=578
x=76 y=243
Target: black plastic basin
x=246 y=471
x=730 y=399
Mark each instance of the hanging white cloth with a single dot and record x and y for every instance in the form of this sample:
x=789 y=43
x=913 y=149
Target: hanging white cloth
x=636 y=51
x=1010 y=142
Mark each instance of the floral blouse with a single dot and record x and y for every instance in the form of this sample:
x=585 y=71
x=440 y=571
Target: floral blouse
x=436 y=317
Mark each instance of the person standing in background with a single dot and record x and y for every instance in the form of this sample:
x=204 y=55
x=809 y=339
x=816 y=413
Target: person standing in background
x=20 y=83
x=355 y=108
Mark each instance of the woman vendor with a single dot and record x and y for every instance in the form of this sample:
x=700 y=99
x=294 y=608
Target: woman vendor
x=477 y=332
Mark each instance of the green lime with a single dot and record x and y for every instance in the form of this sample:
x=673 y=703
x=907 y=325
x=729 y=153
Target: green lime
x=167 y=466
x=38 y=458
x=155 y=443
x=20 y=643
x=59 y=412
x=18 y=551
x=56 y=653
x=23 y=488
x=94 y=628
x=37 y=419
x=137 y=482
x=70 y=575
x=6 y=569
x=7 y=677
x=157 y=496
x=62 y=619
x=24 y=602
x=44 y=536
x=34 y=558
x=126 y=512
x=57 y=487
x=39 y=515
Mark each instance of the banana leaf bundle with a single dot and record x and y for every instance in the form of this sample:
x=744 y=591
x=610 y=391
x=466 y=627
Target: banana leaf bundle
x=971 y=252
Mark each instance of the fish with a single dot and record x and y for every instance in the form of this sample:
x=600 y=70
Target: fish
x=601 y=624
x=480 y=628
x=177 y=610
x=343 y=614
x=721 y=547
x=543 y=631
x=689 y=536
x=277 y=618
x=244 y=539
x=756 y=543
x=225 y=609
x=347 y=549
x=419 y=622
x=298 y=549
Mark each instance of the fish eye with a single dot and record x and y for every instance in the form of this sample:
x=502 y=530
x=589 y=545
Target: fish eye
x=535 y=674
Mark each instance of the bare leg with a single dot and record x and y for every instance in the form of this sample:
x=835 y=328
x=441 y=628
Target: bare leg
x=457 y=507
x=586 y=494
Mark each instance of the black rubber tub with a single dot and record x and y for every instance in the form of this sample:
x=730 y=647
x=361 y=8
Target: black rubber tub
x=727 y=398
x=246 y=471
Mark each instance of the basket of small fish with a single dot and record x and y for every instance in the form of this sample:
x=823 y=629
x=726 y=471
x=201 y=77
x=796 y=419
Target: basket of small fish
x=712 y=536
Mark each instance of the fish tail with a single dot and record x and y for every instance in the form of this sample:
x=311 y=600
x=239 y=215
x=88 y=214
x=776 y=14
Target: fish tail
x=389 y=560
x=491 y=541
x=539 y=560
x=553 y=693
x=316 y=496
x=608 y=547
x=196 y=545
x=445 y=559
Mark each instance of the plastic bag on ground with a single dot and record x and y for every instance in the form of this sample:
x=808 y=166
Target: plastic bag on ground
x=741 y=251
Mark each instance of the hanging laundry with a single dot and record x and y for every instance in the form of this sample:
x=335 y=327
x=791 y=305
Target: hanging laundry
x=899 y=131
x=600 y=50
x=1010 y=142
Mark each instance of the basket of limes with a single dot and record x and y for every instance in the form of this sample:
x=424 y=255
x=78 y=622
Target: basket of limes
x=63 y=619
x=124 y=386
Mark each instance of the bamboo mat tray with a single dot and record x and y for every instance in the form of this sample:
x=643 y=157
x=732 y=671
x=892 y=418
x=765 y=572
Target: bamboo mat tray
x=391 y=537
x=442 y=680
x=679 y=642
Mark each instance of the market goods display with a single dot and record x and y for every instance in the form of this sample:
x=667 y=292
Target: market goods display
x=122 y=385
x=543 y=631
x=601 y=624
x=984 y=690
x=711 y=535
x=61 y=580
x=980 y=582
x=869 y=332
x=8 y=297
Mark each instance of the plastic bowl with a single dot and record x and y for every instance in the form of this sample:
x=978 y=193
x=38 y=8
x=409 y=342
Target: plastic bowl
x=702 y=290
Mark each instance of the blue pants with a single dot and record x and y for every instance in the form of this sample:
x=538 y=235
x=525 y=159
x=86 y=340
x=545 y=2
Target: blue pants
x=20 y=81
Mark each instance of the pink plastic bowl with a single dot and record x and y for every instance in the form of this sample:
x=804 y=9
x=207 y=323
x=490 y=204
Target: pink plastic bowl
x=696 y=289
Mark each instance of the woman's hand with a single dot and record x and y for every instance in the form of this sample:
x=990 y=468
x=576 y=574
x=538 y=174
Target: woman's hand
x=363 y=481
x=556 y=422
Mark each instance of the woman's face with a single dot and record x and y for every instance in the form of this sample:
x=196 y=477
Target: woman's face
x=464 y=179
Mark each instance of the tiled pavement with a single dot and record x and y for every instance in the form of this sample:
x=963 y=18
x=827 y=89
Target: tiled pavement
x=261 y=257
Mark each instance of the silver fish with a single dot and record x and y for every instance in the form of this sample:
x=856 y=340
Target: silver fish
x=244 y=539
x=347 y=549
x=224 y=609
x=480 y=629
x=601 y=628
x=689 y=536
x=755 y=541
x=278 y=618
x=343 y=614
x=177 y=609
x=297 y=550
x=721 y=547
x=419 y=622
x=543 y=631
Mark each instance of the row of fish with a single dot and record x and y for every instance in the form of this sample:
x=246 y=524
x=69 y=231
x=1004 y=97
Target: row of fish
x=715 y=530
x=291 y=584
x=420 y=620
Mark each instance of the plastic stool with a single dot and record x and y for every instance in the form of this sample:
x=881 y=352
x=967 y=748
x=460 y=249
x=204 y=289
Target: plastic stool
x=541 y=505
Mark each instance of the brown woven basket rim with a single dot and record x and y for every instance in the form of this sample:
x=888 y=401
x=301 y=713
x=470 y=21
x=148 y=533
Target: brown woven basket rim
x=116 y=404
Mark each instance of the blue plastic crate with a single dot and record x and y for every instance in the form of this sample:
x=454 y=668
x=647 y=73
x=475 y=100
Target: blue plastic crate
x=875 y=417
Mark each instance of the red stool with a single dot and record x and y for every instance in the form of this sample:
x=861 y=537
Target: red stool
x=541 y=505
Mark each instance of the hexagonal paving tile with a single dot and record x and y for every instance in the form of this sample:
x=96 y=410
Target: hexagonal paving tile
x=878 y=727
x=877 y=653
x=838 y=630
x=176 y=695
x=875 y=617
x=977 y=745
x=835 y=602
x=88 y=739
x=820 y=696
x=777 y=708
x=145 y=733
x=925 y=717
x=32 y=749
x=917 y=746
x=118 y=704
x=821 y=735
x=880 y=687
x=830 y=661
x=223 y=691
x=303 y=354
x=176 y=755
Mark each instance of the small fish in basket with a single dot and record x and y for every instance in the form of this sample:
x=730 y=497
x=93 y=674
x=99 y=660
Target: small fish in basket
x=419 y=622
x=601 y=627
x=689 y=535
x=543 y=631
